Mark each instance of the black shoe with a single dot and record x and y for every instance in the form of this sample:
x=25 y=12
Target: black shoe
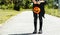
x=40 y=32
x=35 y=32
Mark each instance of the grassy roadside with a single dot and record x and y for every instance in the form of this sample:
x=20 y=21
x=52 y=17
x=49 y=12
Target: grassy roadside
x=53 y=12
x=6 y=14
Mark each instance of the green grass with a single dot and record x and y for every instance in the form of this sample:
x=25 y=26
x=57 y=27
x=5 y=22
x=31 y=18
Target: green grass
x=53 y=12
x=6 y=14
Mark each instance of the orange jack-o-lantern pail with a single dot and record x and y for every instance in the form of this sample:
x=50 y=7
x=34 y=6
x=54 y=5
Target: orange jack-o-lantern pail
x=36 y=10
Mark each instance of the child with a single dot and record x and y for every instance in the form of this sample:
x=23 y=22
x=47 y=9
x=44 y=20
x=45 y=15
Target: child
x=40 y=4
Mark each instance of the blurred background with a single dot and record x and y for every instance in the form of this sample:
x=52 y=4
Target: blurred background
x=9 y=8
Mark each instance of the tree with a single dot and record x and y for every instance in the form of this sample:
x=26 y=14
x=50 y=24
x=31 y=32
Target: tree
x=17 y=4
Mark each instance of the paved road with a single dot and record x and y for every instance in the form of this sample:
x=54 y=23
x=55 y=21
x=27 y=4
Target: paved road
x=22 y=24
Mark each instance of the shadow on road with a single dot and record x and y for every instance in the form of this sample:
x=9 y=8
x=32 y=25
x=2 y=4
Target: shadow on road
x=23 y=34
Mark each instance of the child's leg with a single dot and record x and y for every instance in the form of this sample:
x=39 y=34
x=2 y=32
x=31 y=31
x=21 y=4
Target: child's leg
x=40 y=23
x=35 y=22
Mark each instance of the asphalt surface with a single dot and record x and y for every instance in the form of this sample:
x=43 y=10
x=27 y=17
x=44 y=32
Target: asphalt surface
x=22 y=24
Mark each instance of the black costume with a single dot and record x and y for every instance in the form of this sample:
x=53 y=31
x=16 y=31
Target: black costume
x=41 y=14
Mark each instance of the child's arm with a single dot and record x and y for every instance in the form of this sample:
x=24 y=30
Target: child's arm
x=34 y=1
x=40 y=1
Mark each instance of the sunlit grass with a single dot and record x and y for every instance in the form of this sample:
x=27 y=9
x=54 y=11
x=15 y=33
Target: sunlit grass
x=53 y=12
x=6 y=14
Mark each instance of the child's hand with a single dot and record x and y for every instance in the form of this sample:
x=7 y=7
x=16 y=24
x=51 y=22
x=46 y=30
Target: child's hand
x=35 y=2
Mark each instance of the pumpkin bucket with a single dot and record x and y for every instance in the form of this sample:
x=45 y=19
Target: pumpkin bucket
x=36 y=10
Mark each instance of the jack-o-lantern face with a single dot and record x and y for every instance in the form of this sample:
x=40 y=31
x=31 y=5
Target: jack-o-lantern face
x=36 y=10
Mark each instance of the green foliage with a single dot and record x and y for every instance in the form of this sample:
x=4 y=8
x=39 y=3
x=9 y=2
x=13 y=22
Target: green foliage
x=22 y=3
x=9 y=4
x=50 y=3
